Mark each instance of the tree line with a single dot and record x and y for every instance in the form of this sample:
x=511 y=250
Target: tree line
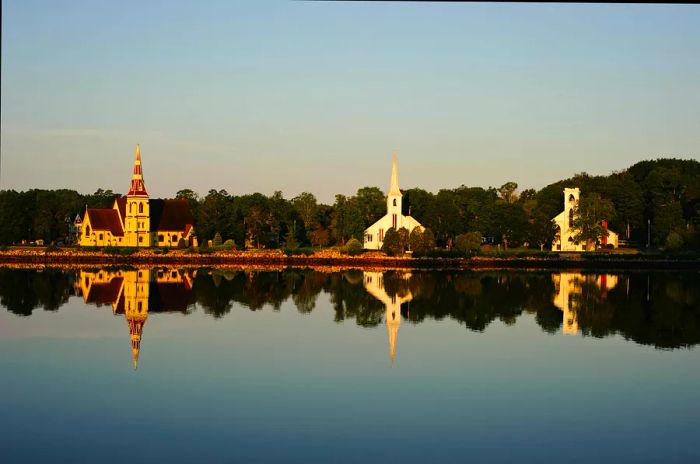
x=655 y=202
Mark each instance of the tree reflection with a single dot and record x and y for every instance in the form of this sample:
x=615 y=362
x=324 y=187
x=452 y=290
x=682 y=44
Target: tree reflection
x=659 y=309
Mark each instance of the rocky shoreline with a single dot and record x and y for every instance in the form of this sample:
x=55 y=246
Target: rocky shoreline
x=331 y=258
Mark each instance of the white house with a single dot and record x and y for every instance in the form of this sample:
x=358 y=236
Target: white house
x=564 y=235
x=374 y=234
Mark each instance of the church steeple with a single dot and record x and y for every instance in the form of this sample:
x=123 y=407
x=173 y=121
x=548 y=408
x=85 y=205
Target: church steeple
x=393 y=199
x=394 y=182
x=137 y=220
x=138 y=188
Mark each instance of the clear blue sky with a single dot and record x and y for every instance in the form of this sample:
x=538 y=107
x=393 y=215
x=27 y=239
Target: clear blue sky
x=314 y=96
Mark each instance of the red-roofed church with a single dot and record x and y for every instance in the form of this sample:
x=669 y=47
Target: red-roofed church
x=138 y=221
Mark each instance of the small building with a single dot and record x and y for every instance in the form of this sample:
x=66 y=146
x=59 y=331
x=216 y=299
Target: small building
x=564 y=233
x=374 y=234
x=136 y=220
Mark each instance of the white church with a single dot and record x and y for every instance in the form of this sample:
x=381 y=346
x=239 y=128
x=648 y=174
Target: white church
x=374 y=234
x=564 y=235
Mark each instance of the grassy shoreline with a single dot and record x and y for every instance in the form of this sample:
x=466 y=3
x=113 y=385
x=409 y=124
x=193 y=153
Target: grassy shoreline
x=334 y=258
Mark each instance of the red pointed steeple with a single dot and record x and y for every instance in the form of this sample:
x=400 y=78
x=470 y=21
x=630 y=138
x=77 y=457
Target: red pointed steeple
x=138 y=188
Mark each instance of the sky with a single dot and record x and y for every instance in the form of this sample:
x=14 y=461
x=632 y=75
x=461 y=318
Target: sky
x=260 y=96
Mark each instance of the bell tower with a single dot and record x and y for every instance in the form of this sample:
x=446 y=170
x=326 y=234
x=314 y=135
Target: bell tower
x=137 y=222
x=393 y=199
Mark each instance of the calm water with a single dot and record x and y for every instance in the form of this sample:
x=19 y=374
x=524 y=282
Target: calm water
x=166 y=365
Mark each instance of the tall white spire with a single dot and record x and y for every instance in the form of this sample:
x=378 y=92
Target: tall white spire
x=394 y=183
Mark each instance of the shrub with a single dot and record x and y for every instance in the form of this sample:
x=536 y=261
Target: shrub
x=392 y=243
x=217 y=240
x=181 y=243
x=306 y=251
x=51 y=249
x=469 y=242
x=353 y=247
x=123 y=251
x=674 y=241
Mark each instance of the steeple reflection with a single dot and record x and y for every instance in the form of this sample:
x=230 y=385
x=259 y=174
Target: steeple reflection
x=135 y=293
x=570 y=288
x=374 y=284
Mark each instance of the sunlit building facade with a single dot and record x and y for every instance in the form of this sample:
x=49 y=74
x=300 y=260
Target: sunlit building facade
x=374 y=234
x=564 y=238
x=136 y=220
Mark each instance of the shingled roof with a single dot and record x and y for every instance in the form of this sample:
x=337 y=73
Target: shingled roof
x=170 y=215
x=105 y=219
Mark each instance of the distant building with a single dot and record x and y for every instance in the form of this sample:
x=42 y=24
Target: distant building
x=138 y=221
x=374 y=234
x=565 y=231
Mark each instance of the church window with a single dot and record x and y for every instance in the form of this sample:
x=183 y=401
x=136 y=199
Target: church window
x=173 y=274
x=394 y=201
x=571 y=198
x=131 y=210
x=174 y=238
x=101 y=236
x=381 y=235
x=140 y=239
x=161 y=238
x=140 y=208
x=393 y=221
x=140 y=306
x=87 y=230
x=571 y=218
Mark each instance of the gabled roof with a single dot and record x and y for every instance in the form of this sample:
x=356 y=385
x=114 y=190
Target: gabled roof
x=170 y=215
x=104 y=294
x=121 y=204
x=105 y=219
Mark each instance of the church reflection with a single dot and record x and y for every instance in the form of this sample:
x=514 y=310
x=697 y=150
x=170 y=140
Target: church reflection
x=374 y=284
x=570 y=288
x=135 y=293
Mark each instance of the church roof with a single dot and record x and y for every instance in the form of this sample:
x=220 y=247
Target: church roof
x=169 y=297
x=167 y=215
x=104 y=294
x=105 y=219
x=121 y=204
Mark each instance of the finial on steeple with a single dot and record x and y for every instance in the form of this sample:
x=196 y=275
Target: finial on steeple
x=135 y=355
x=394 y=183
x=138 y=152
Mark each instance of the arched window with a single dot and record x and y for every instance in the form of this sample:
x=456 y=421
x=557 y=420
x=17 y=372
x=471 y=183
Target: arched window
x=87 y=230
x=571 y=198
x=130 y=208
x=394 y=201
x=571 y=217
x=140 y=208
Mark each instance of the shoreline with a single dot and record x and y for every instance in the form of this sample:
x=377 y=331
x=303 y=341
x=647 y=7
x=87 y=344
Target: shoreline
x=333 y=259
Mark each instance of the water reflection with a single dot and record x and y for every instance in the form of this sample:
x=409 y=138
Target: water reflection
x=374 y=283
x=659 y=309
x=134 y=293
x=572 y=288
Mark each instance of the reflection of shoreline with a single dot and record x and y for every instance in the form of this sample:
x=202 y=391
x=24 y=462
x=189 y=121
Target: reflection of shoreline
x=658 y=309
